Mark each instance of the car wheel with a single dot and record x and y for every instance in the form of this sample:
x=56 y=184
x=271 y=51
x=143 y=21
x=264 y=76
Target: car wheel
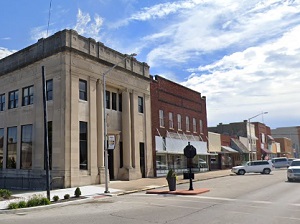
x=267 y=171
x=241 y=172
x=290 y=180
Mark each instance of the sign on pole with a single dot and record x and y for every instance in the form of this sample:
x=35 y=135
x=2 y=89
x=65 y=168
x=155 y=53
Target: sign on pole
x=111 y=142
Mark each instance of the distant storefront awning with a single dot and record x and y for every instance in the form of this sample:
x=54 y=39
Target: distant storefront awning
x=270 y=137
x=266 y=151
x=238 y=146
x=227 y=149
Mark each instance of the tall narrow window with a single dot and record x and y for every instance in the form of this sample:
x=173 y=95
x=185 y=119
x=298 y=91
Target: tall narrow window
x=113 y=101
x=27 y=98
x=107 y=94
x=11 y=156
x=26 y=147
x=141 y=104
x=2 y=102
x=179 y=122
x=187 y=123
x=13 y=99
x=83 y=136
x=49 y=89
x=171 y=124
x=120 y=102
x=201 y=126
x=82 y=89
x=161 y=118
x=1 y=146
x=194 y=125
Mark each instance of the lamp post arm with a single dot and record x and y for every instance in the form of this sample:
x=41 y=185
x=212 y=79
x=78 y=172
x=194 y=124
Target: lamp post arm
x=127 y=56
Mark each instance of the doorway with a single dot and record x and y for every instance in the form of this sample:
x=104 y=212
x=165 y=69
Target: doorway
x=142 y=159
x=111 y=164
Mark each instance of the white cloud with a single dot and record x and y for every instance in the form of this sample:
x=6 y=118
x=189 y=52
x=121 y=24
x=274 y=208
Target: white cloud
x=85 y=26
x=217 y=25
x=158 y=11
x=4 y=52
x=263 y=78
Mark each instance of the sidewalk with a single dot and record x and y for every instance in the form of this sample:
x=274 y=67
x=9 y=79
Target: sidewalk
x=116 y=188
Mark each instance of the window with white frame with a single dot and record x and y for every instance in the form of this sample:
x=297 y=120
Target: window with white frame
x=161 y=118
x=171 y=123
x=179 y=122
x=201 y=126
x=187 y=123
x=194 y=125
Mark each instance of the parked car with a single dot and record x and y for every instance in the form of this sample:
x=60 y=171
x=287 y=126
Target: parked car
x=293 y=172
x=202 y=163
x=258 y=166
x=290 y=160
x=280 y=162
x=160 y=165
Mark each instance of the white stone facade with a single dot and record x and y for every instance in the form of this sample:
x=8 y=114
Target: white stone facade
x=68 y=58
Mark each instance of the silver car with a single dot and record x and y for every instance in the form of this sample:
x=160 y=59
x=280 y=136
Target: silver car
x=280 y=162
x=293 y=172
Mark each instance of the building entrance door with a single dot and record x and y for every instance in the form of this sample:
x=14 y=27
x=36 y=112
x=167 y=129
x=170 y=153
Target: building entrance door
x=142 y=159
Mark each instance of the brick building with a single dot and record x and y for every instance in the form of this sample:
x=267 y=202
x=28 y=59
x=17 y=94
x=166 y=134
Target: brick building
x=178 y=117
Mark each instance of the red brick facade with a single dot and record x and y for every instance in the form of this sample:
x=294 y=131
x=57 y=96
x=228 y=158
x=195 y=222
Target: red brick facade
x=171 y=97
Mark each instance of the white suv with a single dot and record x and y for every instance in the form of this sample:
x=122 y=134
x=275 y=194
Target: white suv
x=259 y=166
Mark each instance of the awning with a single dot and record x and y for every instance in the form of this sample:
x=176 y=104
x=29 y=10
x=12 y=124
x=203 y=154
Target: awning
x=270 y=137
x=239 y=146
x=228 y=149
x=266 y=151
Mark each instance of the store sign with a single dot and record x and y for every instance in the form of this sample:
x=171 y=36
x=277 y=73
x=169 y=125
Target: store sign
x=111 y=142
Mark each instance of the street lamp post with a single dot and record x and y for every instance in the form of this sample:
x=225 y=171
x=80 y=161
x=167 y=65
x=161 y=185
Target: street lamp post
x=105 y=121
x=249 y=119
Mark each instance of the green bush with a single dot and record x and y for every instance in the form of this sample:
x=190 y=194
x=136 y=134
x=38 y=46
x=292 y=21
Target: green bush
x=37 y=200
x=45 y=201
x=22 y=204
x=5 y=193
x=77 y=192
x=55 y=198
x=13 y=205
x=66 y=196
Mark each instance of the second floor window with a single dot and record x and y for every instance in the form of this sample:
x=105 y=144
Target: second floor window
x=161 y=118
x=2 y=102
x=49 y=89
x=201 y=126
x=187 y=123
x=27 y=96
x=83 y=90
x=113 y=101
x=107 y=94
x=13 y=99
x=179 y=122
x=194 y=125
x=171 y=125
x=141 y=104
x=120 y=102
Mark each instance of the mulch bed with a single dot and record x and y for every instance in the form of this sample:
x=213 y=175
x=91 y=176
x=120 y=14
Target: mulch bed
x=69 y=199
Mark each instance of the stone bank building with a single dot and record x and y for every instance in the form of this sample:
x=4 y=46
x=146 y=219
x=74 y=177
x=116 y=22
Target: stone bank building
x=74 y=67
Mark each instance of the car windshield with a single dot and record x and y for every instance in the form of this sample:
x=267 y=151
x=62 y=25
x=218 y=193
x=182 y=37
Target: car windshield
x=295 y=163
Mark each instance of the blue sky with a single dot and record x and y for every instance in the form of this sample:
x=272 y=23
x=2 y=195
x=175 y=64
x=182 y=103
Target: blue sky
x=243 y=55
